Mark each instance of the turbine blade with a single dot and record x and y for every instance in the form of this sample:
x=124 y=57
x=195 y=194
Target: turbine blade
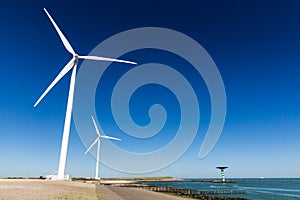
x=96 y=127
x=58 y=77
x=61 y=35
x=91 y=145
x=111 y=138
x=106 y=59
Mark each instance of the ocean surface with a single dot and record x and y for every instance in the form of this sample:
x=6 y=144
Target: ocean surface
x=256 y=189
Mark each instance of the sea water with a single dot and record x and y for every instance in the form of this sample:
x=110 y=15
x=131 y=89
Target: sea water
x=256 y=189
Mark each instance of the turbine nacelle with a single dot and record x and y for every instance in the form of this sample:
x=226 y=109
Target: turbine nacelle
x=76 y=57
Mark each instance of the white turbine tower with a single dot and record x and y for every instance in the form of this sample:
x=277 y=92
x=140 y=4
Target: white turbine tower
x=72 y=64
x=98 y=149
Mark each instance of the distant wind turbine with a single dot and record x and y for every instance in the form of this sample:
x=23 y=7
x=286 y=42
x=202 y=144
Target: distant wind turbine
x=97 y=140
x=72 y=64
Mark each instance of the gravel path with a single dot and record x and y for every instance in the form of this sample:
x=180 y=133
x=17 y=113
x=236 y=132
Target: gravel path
x=138 y=194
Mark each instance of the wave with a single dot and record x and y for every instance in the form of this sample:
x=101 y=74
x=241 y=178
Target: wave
x=271 y=189
x=277 y=194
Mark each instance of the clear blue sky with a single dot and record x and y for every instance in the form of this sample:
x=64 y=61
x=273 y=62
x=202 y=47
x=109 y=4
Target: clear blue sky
x=255 y=45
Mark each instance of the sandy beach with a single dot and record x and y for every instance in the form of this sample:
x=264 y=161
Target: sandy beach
x=22 y=189
x=25 y=189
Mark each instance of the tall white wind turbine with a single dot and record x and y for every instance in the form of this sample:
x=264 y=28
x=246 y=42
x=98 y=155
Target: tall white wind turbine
x=72 y=64
x=97 y=140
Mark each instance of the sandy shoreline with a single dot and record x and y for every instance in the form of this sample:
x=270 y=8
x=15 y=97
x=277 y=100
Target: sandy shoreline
x=25 y=189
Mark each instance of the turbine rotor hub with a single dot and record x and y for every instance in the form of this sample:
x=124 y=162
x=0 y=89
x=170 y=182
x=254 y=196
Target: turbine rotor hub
x=76 y=58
